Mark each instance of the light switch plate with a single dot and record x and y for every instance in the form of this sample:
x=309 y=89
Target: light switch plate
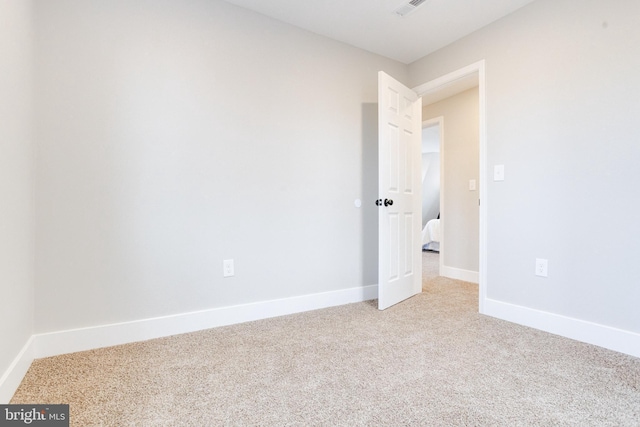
x=498 y=173
x=472 y=185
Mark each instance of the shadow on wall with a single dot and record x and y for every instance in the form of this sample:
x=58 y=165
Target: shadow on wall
x=369 y=193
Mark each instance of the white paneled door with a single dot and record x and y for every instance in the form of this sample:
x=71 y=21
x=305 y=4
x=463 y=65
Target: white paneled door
x=399 y=203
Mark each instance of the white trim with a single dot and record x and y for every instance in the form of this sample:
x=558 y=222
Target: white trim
x=447 y=79
x=483 y=218
x=434 y=85
x=13 y=376
x=459 y=274
x=69 y=341
x=592 y=333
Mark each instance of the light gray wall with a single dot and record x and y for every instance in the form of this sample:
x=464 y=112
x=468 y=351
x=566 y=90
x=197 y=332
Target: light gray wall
x=563 y=102
x=460 y=222
x=173 y=135
x=16 y=196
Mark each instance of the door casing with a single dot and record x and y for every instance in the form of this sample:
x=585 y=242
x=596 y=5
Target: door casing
x=477 y=68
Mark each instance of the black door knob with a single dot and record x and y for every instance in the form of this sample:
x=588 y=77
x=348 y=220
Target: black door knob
x=379 y=202
x=388 y=202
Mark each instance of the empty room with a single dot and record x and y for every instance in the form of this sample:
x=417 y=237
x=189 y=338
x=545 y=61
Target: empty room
x=210 y=212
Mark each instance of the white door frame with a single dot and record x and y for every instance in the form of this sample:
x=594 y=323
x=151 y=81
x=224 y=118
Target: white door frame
x=434 y=85
x=439 y=121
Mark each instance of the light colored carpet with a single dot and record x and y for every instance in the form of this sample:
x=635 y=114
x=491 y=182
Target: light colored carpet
x=429 y=361
x=430 y=266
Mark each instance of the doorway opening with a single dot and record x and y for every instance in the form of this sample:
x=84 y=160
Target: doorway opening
x=432 y=173
x=439 y=89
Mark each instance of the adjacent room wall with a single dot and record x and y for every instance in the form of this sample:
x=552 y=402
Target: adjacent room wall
x=173 y=135
x=460 y=146
x=562 y=107
x=430 y=186
x=16 y=196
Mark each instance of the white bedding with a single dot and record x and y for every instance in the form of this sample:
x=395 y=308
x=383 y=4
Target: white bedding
x=431 y=236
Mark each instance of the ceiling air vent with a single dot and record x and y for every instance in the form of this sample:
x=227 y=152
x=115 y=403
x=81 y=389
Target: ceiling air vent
x=408 y=7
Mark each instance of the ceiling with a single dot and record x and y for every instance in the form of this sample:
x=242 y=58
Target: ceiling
x=372 y=25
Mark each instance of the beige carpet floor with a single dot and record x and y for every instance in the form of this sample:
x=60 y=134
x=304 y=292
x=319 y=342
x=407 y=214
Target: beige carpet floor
x=430 y=266
x=429 y=361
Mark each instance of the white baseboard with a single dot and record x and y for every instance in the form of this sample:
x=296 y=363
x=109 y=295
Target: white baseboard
x=73 y=340
x=592 y=333
x=459 y=274
x=69 y=341
x=12 y=378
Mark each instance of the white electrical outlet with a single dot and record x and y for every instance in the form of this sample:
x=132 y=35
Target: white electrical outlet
x=227 y=268
x=541 y=267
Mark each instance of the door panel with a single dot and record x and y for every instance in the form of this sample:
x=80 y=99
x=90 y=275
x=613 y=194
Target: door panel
x=400 y=261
